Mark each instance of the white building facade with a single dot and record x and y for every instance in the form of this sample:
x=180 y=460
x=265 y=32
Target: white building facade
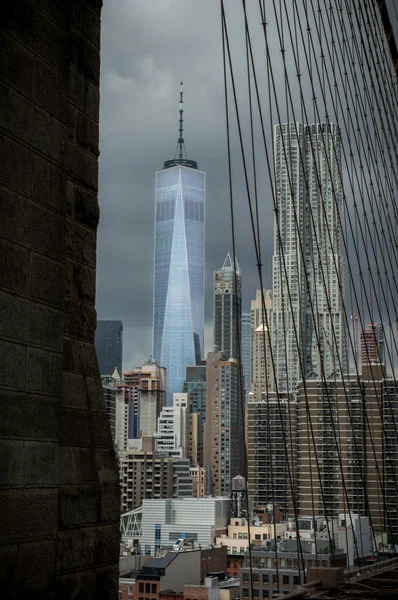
x=172 y=437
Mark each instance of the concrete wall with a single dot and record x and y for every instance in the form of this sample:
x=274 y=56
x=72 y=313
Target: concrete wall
x=185 y=567
x=59 y=492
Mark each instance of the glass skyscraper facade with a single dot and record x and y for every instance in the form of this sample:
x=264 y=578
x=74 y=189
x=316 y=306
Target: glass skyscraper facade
x=109 y=347
x=179 y=270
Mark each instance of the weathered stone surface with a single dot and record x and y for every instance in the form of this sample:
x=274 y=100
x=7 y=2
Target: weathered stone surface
x=44 y=371
x=11 y=463
x=14 y=266
x=110 y=502
x=84 y=94
x=95 y=393
x=26 y=416
x=80 y=319
x=83 y=167
x=26 y=514
x=9 y=561
x=25 y=120
x=79 y=586
x=16 y=161
x=85 y=358
x=80 y=281
x=81 y=242
x=86 y=208
x=46 y=281
x=13 y=53
x=76 y=548
x=51 y=90
x=87 y=135
x=30 y=322
x=49 y=183
x=76 y=465
x=69 y=359
x=107 y=547
x=87 y=22
x=12 y=366
x=74 y=393
x=107 y=583
x=84 y=57
x=73 y=427
x=41 y=464
x=78 y=505
x=32 y=225
x=37 y=564
x=100 y=429
x=105 y=462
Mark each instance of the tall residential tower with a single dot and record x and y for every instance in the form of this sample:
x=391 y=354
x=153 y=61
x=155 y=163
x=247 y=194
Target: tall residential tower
x=178 y=318
x=308 y=274
x=227 y=308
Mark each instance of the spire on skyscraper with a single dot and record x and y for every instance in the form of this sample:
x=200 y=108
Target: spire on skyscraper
x=180 y=156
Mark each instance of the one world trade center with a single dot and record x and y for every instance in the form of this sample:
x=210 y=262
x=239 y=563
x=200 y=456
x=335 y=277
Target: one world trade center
x=178 y=313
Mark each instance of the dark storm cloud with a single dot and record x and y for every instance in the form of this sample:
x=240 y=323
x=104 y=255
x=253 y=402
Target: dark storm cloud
x=146 y=48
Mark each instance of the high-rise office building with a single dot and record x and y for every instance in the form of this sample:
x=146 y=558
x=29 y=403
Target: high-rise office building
x=178 y=319
x=224 y=437
x=271 y=430
x=195 y=386
x=227 y=308
x=109 y=346
x=307 y=262
x=172 y=436
x=246 y=350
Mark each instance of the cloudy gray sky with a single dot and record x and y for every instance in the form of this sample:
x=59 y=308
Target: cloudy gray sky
x=146 y=48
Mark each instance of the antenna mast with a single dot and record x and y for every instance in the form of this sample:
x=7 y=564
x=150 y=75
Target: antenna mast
x=181 y=139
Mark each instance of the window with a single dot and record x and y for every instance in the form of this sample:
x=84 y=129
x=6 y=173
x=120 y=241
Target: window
x=147 y=588
x=286 y=580
x=296 y=580
x=154 y=588
x=141 y=588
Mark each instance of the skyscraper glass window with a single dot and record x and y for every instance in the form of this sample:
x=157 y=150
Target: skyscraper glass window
x=178 y=319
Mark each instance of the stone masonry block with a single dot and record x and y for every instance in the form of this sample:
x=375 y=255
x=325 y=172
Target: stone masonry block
x=9 y=562
x=14 y=267
x=106 y=464
x=107 y=547
x=86 y=208
x=87 y=133
x=78 y=505
x=27 y=514
x=16 y=165
x=95 y=392
x=73 y=427
x=30 y=322
x=46 y=280
x=16 y=64
x=49 y=183
x=80 y=319
x=110 y=502
x=80 y=281
x=76 y=466
x=107 y=583
x=84 y=57
x=100 y=429
x=74 y=394
x=83 y=166
x=50 y=41
x=60 y=11
x=87 y=23
x=37 y=561
x=69 y=359
x=32 y=124
x=70 y=199
x=28 y=417
x=81 y=242
x=72 y=123
x=44 y=371
x=76 y=548
x=51 y=91
x=84 y=283
x=31 y=225
x=80 y=585
x=12 y=366
x=84 y=94
x=41 y=464
x=85 y=358
x=11 y=463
